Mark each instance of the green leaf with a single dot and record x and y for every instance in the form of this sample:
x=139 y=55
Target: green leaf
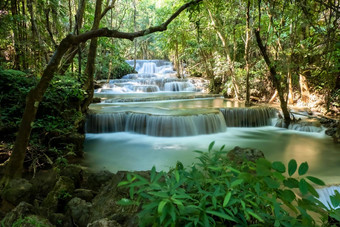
x=236 y=182
x=211 y=145
x=252 y=213
x=177 y=175
x=315 y=180
x=303 y=186
x=279 y=167
x=291 y=183
x=221 y=215
x=125 y=202
x=287 y=195
x=122 y=183
x=226 y=199
x=161 y=206
x=303 y=168
x=292 y=166
x=335 y=199
x=271 y=183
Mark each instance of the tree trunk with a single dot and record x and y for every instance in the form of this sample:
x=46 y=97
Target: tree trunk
x=304 y=88
x=246 y=53
x=274 y=77
x=14 y=166
x=91 y=59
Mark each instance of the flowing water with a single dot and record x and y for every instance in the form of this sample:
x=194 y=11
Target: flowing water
x=155 y=119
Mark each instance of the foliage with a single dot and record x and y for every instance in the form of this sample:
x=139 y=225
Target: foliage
x=14 y=86
x=217 y=192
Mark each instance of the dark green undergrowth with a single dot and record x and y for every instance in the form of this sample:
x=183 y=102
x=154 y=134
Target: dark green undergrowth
x=119 y=68
x=59 y=114
x=217 y=192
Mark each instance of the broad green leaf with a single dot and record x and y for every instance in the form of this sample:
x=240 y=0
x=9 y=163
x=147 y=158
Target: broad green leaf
x=161 y=206
x=312 y=190
x=292 y=166
x=315 y=180
x=303 y=168
x=226 y=199
x=159 y=194
x=303 y=186
x=335 y=199
x=279 y=166
x=287 y=195
x=221 y=215
x=263 y=167
x=211 y=145
x=291 y=183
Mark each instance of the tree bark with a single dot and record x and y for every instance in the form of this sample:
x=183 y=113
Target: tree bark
x=304 y=88
x=274 y=77
x=246 y=53
x=14 y=167
x=91 y=59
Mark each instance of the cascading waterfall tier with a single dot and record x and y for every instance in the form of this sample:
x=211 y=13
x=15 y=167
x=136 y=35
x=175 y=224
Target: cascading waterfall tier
x=248 y=117
x=156 y=125
x=153 y=76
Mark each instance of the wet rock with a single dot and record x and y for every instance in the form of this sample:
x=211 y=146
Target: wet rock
x=96 y=179
x=334 y=132
x=33 y=221
x=22 y=210
x=56 y=200
x=60 y=220
x=306 y=125
x=18 y=190
x=74 y=172
x=79 y=210
x=96 y=100
x=44 y=181
x=104 y=205
x=239 y=155
x=104 y=223
x=84 y=194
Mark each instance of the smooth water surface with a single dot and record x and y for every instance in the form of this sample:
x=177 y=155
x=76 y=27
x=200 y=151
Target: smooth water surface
x=128 y=151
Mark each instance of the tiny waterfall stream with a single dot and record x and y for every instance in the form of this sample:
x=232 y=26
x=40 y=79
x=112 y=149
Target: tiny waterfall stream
x=153 y=118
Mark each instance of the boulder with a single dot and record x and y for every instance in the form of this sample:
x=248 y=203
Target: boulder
x=104 y=223
x=79 y=211
x=239 y=155
x=43 y=182
x=96 y=179
x=84 y=194
x=19 y=212
x=18 y=190
x=74 y=172
x=60 y=220
x=104 y=205
x=62 y=192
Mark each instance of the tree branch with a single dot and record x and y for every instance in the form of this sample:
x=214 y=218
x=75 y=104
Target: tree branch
x=107 y=8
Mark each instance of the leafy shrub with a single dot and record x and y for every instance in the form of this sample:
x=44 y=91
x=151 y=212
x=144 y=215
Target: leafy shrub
x=218 y=192
x=119 y=69
x=14 y=86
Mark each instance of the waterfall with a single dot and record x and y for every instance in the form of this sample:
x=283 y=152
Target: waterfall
x=156 y=125
x=325 y=195
x=148 y=67
x=178 y=86
x=248 y=117
x=106 y=122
